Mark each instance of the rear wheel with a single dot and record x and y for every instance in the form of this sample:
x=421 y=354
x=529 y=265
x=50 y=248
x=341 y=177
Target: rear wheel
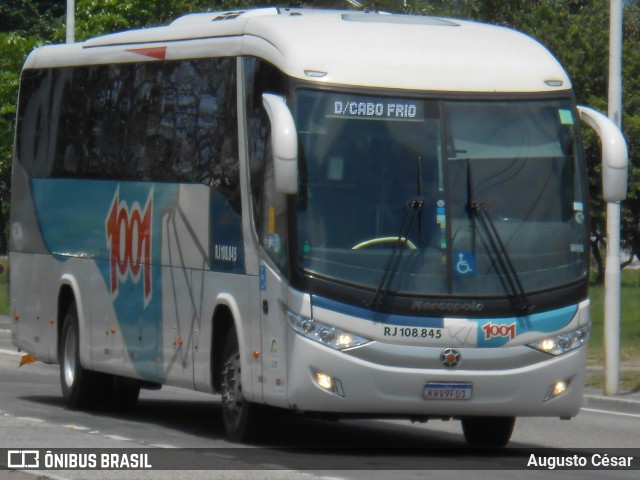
x=490 y=432
x=238 y=414
x=81 y=388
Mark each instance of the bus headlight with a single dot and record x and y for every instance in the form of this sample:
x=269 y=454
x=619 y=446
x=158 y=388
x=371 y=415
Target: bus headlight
x=325 y=334
x=563 y=343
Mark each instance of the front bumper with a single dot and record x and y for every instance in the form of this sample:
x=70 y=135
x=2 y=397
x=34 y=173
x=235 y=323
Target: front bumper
x=379 y=388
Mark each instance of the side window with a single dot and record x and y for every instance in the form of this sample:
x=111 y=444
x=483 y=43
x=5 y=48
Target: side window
x=34 y=120
x=153 y=121
x=107 y=127
x=216 y=128
x=144 y=146
x=185 y=91
x=70 y=121
x=270 y=206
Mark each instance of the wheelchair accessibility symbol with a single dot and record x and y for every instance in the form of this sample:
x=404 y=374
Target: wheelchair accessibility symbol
x=465 y=263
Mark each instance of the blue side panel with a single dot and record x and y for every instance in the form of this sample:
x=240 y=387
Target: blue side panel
x=491 y=333
x=88 y=204
x=119 y=226
x=545 y=322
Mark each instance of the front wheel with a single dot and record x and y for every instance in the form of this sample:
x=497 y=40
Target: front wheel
x=81 y=388
x=490 y=432
x=238 y=414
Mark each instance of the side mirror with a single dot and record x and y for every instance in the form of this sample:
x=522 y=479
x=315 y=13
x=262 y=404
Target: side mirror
x=615 y=158
x=284 y=142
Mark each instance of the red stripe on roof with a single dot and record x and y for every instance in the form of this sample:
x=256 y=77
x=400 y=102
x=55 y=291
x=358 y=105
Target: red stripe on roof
x=156 y=52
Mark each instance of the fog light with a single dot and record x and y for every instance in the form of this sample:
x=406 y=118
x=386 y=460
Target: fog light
x=557 y=389
x=328 y=382
x=324 y=380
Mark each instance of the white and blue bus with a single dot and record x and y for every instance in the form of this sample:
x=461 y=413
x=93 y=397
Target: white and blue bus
x=336 y=213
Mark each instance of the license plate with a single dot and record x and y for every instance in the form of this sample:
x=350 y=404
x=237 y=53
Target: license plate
x=448 y=391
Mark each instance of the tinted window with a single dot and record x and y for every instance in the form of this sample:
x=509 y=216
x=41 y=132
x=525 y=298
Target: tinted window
x=165 y=122
x=33 y=121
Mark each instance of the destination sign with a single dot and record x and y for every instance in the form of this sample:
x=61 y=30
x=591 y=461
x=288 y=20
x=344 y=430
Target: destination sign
x=374 y=108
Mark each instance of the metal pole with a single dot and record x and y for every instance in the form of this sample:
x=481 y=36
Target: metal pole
x=612 y=302
x=612 y=272
x=71 y=21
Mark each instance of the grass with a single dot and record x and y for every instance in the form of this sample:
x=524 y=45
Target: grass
x=629 y=319
x=629 y=380
x=629 y=333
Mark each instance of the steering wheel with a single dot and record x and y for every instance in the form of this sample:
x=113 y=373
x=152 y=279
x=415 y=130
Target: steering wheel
x=380 y=240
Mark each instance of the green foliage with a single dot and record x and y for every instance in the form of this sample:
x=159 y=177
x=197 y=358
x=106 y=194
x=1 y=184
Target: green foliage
x=99 y=17
x=630 y=234
x=629 y=325
x=30 y=17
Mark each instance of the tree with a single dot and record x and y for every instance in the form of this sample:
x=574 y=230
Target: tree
x=30 y=17
x=99 y=17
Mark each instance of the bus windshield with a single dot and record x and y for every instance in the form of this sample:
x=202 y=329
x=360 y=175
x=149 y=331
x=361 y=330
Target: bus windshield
x=472 y=198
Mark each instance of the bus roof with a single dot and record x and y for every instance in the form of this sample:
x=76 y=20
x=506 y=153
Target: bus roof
x=339 y=47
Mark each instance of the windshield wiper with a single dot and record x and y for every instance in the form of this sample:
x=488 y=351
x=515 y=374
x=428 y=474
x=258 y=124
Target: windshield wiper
x=500 y=259
x=413 y=208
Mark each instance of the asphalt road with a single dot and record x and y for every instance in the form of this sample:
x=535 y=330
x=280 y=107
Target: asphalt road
x=32 y=415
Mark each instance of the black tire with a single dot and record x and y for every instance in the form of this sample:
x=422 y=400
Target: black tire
x=81 y=388
x=488 y=432
x=238 y=415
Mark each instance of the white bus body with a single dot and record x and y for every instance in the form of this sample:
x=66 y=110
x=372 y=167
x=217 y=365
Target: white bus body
x=154 y=241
